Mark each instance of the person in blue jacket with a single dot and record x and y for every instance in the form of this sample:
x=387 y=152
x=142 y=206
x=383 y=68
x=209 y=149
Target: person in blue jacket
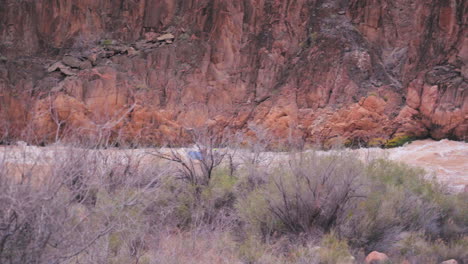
x=196 y=155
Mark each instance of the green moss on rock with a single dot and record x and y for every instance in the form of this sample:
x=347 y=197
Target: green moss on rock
x=107 y=42
x=376 y=142
x=398 y=141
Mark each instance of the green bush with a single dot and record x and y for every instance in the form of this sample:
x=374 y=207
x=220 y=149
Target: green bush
x=398 y=141
x=371 y=206
x=184 y=204
x=452 y=208
x=399 y=199
x=107 y=42
x=376 y=142
x=334 y=250
x=251 y=250
x=254 y=211
x=420 y=249
x=310 y=193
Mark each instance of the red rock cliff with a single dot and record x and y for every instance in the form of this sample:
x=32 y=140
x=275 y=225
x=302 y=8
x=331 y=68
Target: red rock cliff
x=321 y=70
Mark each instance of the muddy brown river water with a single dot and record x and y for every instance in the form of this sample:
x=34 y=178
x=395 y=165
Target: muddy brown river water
x=446 y=160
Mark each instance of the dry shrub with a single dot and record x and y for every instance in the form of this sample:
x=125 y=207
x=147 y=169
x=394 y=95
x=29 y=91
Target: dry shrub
x=312 y=193
x=80 y=205
x=68 y=215
x=197 y=246
x=39 y=223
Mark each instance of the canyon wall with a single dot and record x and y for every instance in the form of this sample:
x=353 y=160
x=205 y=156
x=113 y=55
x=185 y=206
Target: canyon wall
x=145 y=71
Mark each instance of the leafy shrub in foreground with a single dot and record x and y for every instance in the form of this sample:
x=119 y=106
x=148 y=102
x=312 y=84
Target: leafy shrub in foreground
x=305 y=208
x=419 y=249
x=369 y=205
x=399 y=199
x=310 y=194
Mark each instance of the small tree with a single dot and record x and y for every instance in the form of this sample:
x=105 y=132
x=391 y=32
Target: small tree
x=210 y=149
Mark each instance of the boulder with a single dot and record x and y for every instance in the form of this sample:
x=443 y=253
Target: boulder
x=464 y=71
x=131 y=51
x=55 y=66
x=119 y=49
x=67 y=71
x=166 y=37
x=93 y=57
x=150 y=36
x=374 y=104
x=376 y=257
x=85 y=65
x=61 y=67
x=21 y=144
x=72 y=61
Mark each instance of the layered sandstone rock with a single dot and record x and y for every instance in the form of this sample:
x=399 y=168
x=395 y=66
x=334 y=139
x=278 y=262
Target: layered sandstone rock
x=325 y=71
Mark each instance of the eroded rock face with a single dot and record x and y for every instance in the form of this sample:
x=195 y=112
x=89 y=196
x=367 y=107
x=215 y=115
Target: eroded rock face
x=325 y=71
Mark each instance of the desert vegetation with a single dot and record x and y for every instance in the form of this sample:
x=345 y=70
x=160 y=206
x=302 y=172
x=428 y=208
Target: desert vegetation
x=76 y=204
